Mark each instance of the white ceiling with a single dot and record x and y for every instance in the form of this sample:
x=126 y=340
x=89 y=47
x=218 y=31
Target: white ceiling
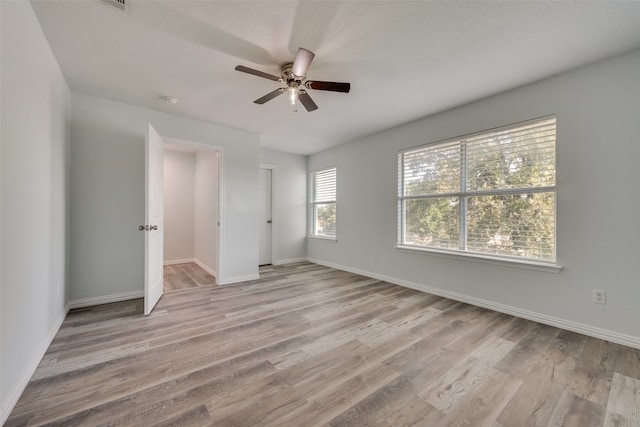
x=404 y=59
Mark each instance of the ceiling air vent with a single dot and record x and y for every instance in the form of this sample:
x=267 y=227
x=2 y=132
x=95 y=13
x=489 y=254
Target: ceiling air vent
x=115 y=3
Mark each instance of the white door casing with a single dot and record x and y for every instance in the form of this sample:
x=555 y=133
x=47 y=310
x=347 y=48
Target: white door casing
x=154 y=219
x=265 y=217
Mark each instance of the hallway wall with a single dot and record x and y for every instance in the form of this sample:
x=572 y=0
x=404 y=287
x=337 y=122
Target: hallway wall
x=179 y=205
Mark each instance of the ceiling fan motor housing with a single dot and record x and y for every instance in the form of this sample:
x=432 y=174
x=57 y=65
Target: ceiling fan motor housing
x=287 y=75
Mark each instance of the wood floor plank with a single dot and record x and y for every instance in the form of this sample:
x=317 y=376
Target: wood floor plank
x=537 y=396
x=521 y=360
x=623 y=408
x=590 y=385
x=186 y=275
x=483 y=407
x=343 y=394
x=309 y=345
x=464 y=377
x=574 y=411
x=398 y=390
x=314 y=384
x=413 y=412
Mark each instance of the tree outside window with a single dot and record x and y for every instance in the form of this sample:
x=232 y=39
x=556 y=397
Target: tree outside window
x=489 y=193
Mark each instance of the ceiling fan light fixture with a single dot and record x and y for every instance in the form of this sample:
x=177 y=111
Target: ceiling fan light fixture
x=293 y=92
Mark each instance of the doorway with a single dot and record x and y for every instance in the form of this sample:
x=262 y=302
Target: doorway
x=191 y=219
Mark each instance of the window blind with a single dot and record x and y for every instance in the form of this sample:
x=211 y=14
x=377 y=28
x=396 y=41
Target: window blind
x=491 y=192
x=324 y=185
x=322 y=203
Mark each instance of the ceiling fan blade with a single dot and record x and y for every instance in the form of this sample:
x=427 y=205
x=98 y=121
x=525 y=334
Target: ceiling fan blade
x=270 y=96
x=302 y=62
x=332 y=86
x=257 y=73
x=306 y=100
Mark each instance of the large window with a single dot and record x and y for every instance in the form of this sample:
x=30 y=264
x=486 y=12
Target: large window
x=488 y=193
x=322 y=203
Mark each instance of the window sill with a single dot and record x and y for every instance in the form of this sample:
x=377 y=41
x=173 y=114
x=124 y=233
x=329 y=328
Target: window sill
x=508 y=262
x=329 y=238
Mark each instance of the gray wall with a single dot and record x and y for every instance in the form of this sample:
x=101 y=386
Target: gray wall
x=34 y=198
x=107 y=194
x=206 y=208
x=289 y=204
x=179 y=205
x=598 y=204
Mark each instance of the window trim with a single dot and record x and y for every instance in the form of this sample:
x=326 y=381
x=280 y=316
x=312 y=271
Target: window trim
x=311 y=204
x=524 y=263
x=463 y=194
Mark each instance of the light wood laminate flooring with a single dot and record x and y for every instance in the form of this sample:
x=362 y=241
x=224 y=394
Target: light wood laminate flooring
x=308 y=345
x=187 y=275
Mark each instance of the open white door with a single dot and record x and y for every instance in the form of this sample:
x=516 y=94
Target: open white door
x=153 y=239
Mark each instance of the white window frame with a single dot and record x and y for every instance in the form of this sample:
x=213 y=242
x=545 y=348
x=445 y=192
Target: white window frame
x=314 y=203
x=463 y=194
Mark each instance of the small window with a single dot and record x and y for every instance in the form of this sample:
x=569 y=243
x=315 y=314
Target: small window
x=322 y=203
x=489 y=193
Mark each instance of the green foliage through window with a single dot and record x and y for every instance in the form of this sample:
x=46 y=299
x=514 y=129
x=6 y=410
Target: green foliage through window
x=489 y=193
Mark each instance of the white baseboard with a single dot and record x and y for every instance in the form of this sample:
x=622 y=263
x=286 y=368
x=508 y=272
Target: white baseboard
x=178 y=261
x=18 y=389
x=88 y=302
x=205 y=267
x=592 y=331
x=238 y=279
x=288 y=261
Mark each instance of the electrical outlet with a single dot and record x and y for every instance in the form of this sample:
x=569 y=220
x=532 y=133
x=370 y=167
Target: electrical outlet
x=599 y=296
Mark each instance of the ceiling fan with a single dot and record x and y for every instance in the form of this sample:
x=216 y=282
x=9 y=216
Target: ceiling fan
x=294 y=75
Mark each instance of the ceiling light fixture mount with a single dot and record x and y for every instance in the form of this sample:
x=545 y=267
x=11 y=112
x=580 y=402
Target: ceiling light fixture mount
x=169 y=100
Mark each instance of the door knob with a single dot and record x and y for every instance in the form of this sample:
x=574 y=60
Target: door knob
x=143 y=227
x=269 y=221
x=153 y=227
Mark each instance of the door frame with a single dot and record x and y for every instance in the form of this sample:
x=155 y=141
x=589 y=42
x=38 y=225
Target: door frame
x=274 y=222
x=199 y=146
